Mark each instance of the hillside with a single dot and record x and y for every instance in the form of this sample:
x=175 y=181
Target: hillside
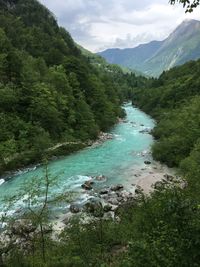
x=101 y=62
x=174 y=100
x=182 y=45
x=131 y=57
x=49 y=92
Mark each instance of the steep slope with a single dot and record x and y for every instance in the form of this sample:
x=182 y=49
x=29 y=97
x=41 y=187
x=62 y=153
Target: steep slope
x=131 y=57
x=49 y=91
x=174 y=100
x=182 y=45
x=101 y=62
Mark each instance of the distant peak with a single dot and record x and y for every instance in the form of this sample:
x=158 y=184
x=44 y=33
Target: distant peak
x=190 y=21
x=186 y=26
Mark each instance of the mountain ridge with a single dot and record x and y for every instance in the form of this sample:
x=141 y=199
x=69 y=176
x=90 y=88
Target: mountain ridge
x=154 y=57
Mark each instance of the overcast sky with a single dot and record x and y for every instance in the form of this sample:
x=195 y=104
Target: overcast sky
x=101 y=24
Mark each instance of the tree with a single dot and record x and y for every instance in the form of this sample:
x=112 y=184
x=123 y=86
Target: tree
x=188 y=5
x=49 y=91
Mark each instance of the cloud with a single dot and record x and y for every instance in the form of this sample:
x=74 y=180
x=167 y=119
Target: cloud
x=99 y=24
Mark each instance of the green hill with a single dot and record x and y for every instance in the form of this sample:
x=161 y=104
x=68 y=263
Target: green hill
x=49 y=91
x=174 y=100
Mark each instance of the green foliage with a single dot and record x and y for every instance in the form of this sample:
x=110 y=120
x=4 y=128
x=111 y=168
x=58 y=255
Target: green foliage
x=161 y=229
x=174 y=101
x=49 y=92
x=190 y=168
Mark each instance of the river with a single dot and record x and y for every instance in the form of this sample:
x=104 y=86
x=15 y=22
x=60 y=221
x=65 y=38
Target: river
x=117 y=159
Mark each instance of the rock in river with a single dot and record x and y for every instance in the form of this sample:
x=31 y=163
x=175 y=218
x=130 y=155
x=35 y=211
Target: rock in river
x=75 y=208
x=87 y=185
x=104 y=191
x=101 y=178
x=117 y=187
x=94 y=207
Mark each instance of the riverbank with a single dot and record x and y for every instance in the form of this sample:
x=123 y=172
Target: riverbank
x=53 y=153
x=151 y=174
x=109 y=199
x=120 y=156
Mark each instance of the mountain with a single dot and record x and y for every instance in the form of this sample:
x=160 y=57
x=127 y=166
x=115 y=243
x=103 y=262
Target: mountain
x=182 y=45
x=131 y=57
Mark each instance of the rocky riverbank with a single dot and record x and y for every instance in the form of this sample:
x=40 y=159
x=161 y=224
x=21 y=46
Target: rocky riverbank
x=105 y=201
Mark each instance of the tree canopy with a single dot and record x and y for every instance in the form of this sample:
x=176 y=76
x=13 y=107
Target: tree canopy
x=49 y=91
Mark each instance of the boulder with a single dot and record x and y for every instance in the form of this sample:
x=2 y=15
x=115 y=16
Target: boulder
x=113 y=201
x=105 y=136
x=168 y=177
x=75 y=208
x=117 y=187
x=107 y=208
x=137 y=175
x=121 y=199
x=147 y=162
x=104 y=191
x=109 y=215
x=22 y=227
x=145 y=131
x=138 y=190
x=87 y=185
x=94 y=207
x=158 y=185
x=120 y=120
x=100 y=178
x=183 y=184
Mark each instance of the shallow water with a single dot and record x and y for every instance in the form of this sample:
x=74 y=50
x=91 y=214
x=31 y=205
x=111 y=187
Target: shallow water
x=116 y=159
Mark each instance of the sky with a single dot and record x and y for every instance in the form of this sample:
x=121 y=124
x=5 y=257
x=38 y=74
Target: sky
x=100 y=24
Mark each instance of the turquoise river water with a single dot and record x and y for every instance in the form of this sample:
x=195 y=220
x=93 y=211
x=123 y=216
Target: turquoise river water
x=117 y=159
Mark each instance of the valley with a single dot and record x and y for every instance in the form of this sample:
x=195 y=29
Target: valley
x=99 y=162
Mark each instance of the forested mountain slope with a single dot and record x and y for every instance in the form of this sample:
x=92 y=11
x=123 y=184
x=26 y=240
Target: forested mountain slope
x=132 y=58
x=174 y=100
x=49 y=91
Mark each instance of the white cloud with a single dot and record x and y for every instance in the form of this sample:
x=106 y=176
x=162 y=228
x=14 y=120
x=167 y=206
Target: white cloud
x=100 y=24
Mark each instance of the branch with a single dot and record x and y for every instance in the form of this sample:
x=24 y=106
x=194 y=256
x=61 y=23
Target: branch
x=187 y=4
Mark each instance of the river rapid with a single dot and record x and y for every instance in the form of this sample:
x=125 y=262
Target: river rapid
x=118 y=159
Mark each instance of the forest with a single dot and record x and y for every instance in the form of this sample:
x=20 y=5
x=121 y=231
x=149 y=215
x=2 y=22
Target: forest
x=173 y=100
x=49 y=91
